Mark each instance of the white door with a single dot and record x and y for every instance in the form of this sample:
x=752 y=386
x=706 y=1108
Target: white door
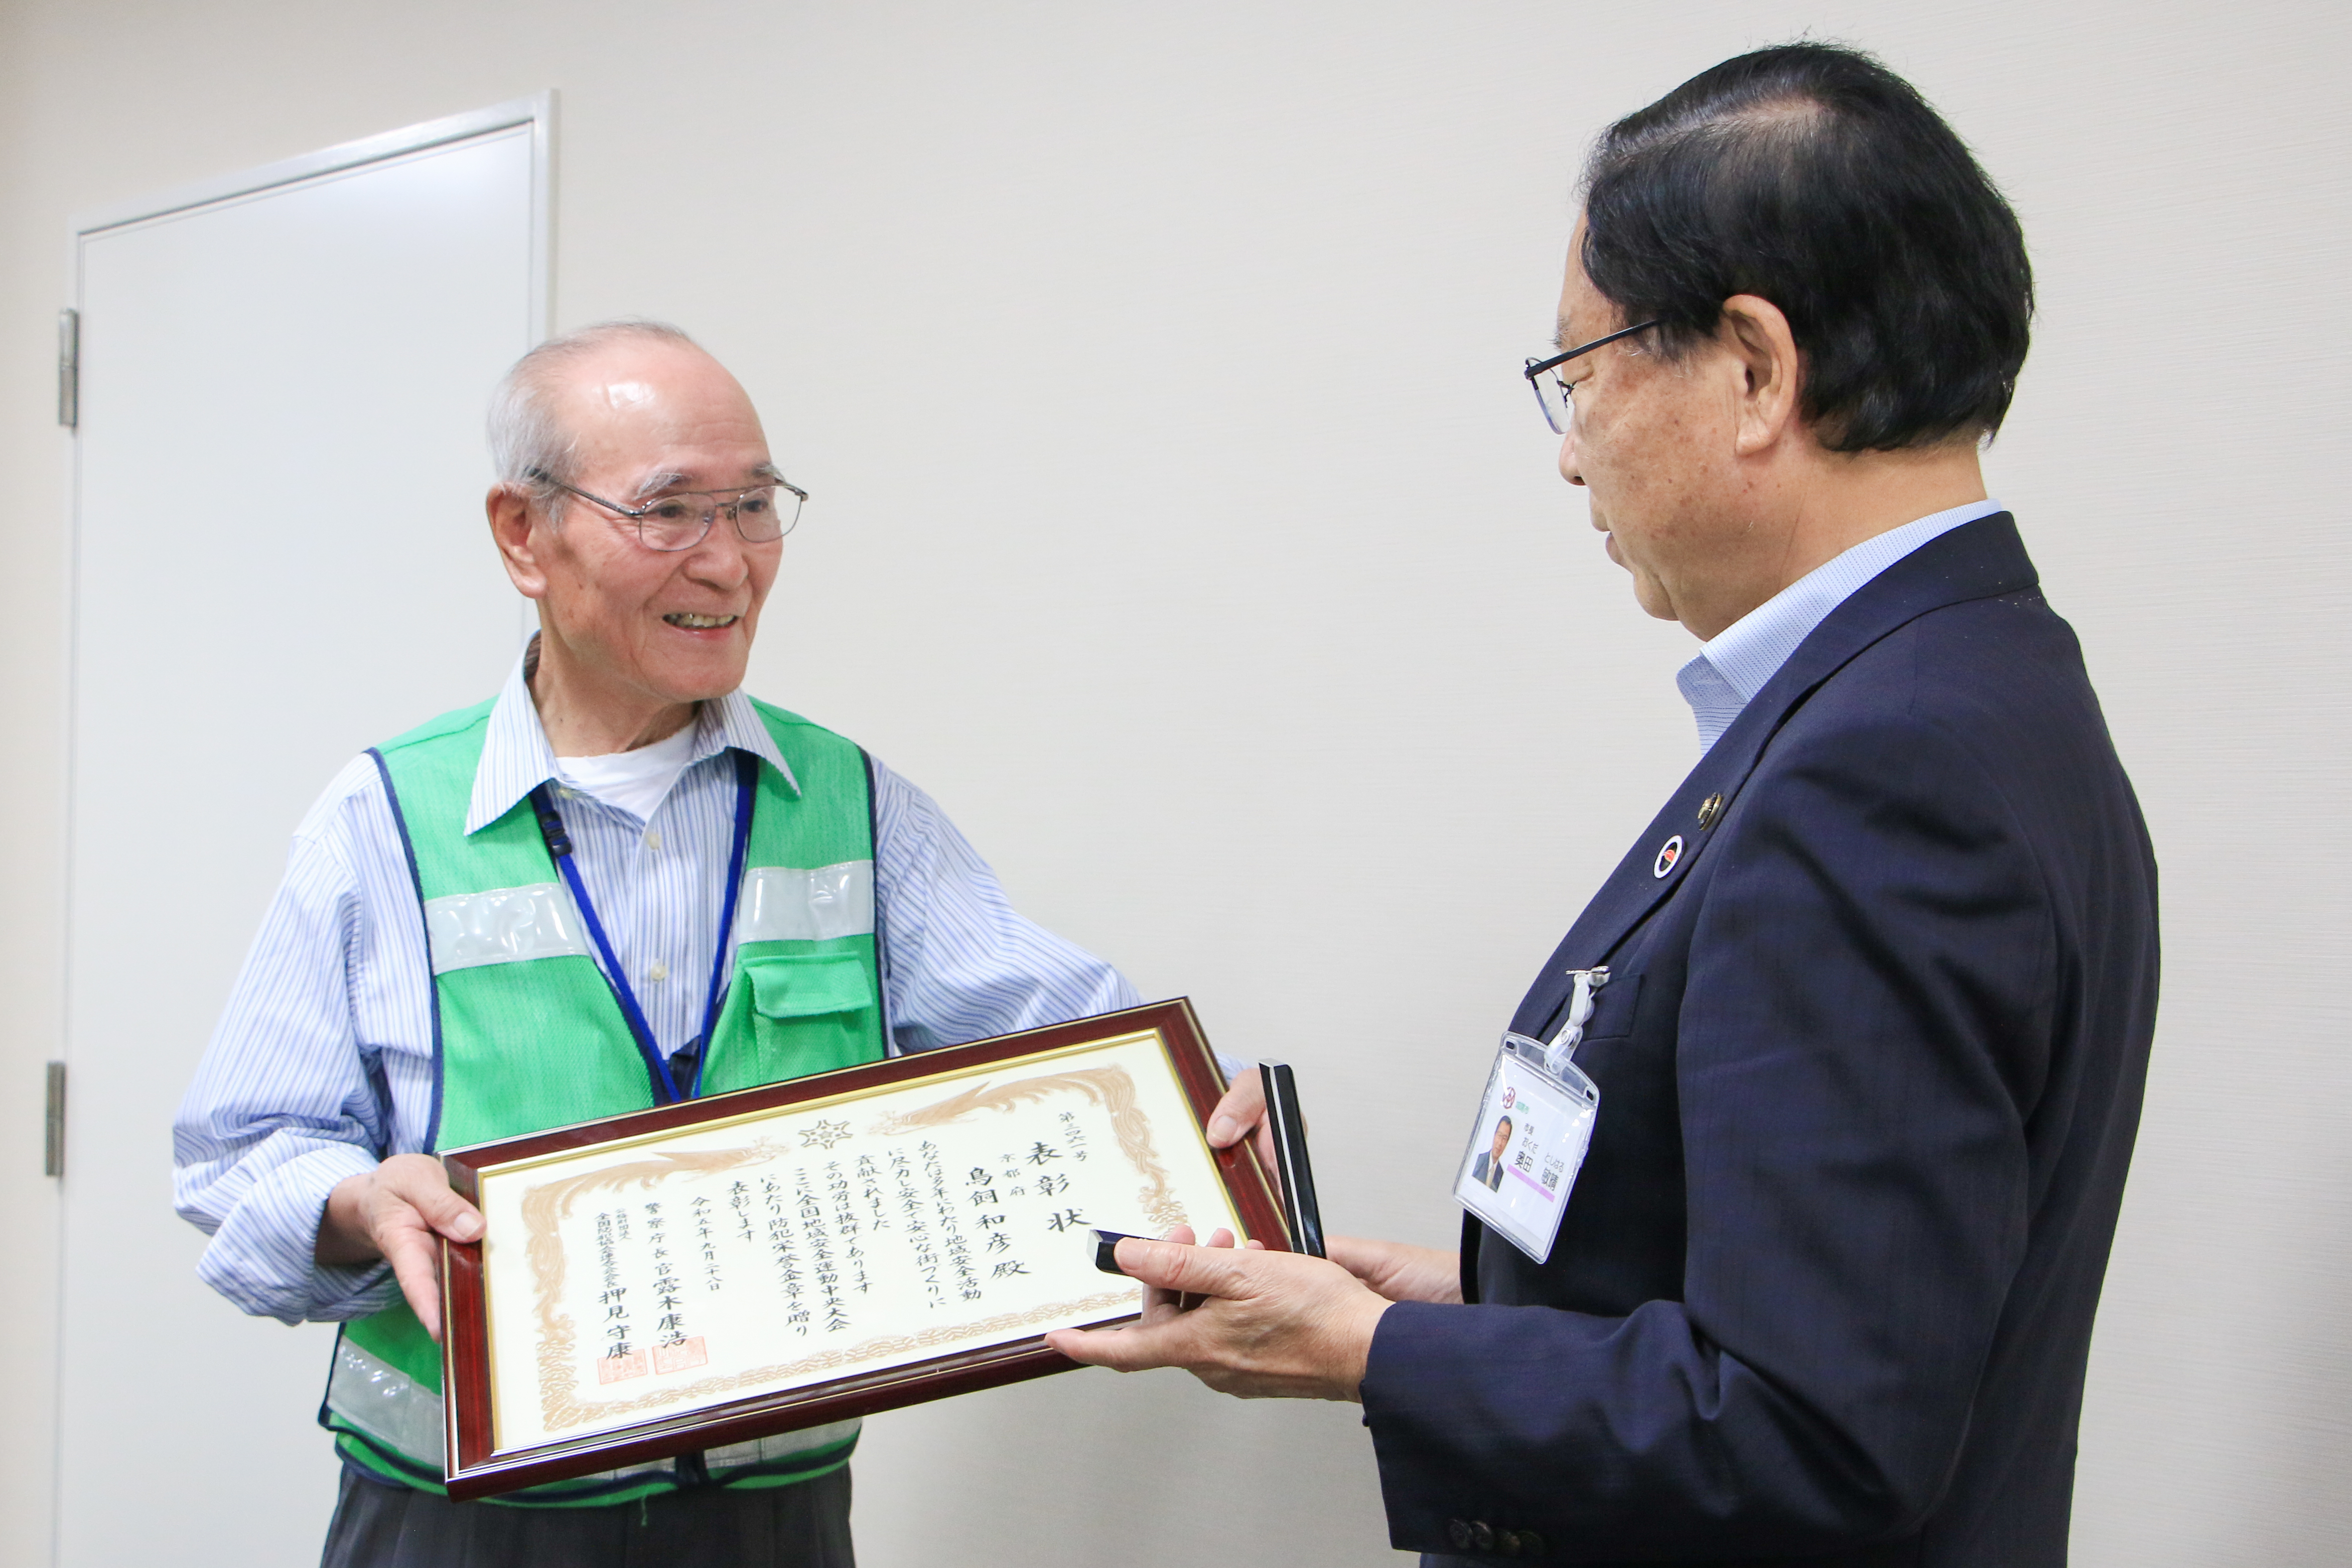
x=281 y=558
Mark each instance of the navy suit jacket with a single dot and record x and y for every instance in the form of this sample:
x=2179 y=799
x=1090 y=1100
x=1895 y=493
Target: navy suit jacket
x=1870 y=1061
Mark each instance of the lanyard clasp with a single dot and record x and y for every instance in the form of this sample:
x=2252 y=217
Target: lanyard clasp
x=1580 y=1012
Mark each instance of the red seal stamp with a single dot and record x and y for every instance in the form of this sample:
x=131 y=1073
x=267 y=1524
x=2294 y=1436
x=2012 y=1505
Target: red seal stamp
x=680 y=1354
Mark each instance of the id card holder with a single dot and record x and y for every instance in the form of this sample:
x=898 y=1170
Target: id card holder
x=1533 y=1127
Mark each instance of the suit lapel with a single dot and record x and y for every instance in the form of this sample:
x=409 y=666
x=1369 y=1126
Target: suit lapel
x=1981 y=559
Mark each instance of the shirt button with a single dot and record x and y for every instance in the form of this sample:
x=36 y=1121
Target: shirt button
x=652 y=838
x=660 y=971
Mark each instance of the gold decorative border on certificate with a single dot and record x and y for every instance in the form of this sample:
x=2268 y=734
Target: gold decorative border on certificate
x=544 y=1206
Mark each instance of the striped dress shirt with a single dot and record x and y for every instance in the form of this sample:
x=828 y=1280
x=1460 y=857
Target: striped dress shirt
x=322 y=1064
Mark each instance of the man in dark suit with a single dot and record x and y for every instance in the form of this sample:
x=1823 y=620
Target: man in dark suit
x=1488 y=1166
x=1881 y=974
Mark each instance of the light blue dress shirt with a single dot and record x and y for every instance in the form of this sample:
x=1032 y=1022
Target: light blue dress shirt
x=1732 y=668
x=322 y=1063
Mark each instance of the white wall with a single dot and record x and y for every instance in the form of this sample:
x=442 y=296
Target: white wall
x=1181 y=522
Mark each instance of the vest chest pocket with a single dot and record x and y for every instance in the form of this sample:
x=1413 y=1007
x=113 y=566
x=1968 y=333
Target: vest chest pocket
x=804 y=1012
x=807 y=985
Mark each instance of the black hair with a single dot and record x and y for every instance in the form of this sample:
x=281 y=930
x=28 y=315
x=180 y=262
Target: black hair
x=1812 y=176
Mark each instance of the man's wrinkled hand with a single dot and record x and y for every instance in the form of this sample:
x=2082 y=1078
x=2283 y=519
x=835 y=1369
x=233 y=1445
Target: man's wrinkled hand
x=398 y=1212
x=1268 y=1325
x=1241 y=1114
x=1399 y=1271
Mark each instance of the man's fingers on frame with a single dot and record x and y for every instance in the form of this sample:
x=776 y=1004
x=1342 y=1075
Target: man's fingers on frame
x=398 y=1218
x=1157 y=1303
x=1165 y=1307
x=443 y=1209
x=1153 y=1263
x=1091 y=1347
x=459 y=1220
x=1137 y=1348
x=420 y=1281
x=412 y=1173
x=1188 y=1271
x=1241 y=1109
x=414 y=1254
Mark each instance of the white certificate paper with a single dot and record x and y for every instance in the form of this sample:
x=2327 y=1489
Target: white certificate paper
x=674 y=1271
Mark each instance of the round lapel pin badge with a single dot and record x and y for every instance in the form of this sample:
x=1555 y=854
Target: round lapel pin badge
x=1667 y=855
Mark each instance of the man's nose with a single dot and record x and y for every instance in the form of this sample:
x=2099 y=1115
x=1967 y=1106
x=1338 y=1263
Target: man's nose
x=721 y=560
x=1569 y=470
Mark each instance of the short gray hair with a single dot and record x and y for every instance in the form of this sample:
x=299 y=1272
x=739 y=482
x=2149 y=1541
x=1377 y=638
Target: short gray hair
x=530 y=447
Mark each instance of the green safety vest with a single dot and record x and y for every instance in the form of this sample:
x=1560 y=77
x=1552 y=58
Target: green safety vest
x=528 y=1036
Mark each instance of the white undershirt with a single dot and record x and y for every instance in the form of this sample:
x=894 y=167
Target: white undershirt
x=633 y=781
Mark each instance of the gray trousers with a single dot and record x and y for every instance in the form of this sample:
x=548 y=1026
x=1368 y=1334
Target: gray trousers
x=801 y=1526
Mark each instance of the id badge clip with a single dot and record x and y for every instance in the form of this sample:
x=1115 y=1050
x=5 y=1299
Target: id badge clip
x=1533 y=1128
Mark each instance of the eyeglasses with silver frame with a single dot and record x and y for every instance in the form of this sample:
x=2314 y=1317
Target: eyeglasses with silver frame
x=1553 y=389
x=762 y=514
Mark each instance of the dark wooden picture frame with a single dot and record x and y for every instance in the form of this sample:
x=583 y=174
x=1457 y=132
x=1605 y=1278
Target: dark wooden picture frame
x=473 y=1469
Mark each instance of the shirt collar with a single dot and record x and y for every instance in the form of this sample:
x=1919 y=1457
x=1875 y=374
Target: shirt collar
x=1732 y=667
x=517 y=758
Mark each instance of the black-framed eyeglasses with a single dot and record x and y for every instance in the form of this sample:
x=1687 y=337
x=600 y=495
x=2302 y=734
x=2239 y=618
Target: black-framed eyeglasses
x=1551 y=387
x=762 y=514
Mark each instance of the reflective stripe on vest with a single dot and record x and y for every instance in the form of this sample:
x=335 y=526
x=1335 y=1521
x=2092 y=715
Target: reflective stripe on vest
x=783 y=904
x=526 y=1034
x=504 y=925
x=513 y=925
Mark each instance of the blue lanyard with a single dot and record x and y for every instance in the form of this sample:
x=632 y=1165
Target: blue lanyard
x=559 y=850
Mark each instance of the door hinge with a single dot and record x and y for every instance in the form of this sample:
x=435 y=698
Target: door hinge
x=53 y=1143
x=69 y=368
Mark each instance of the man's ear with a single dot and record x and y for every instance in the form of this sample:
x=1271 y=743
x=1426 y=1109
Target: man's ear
x=1757 y=335
x=512 y=517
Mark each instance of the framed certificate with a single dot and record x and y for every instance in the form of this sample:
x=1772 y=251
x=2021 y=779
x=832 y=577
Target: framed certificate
x=707 y=1274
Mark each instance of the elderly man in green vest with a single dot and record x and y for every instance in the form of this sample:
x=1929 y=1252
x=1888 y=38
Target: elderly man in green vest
x=619 y=882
